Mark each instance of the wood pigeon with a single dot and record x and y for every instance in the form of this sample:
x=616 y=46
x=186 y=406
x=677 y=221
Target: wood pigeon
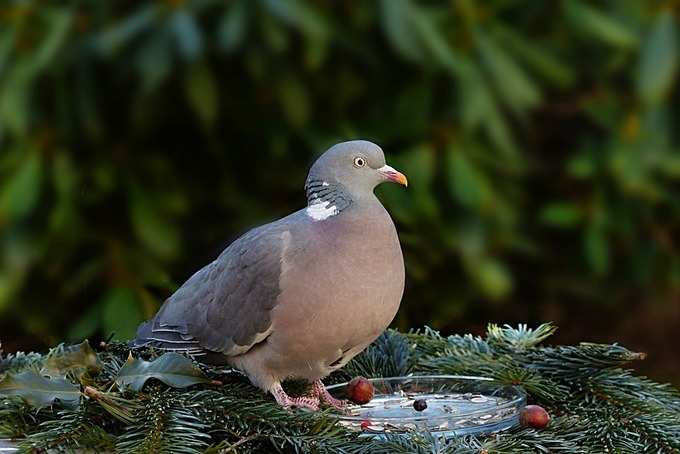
x=300 y=296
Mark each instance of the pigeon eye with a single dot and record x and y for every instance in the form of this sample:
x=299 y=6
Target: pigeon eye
x=359 y=162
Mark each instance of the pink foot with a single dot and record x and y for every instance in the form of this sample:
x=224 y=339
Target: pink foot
x=320 y=392
x=311 y=403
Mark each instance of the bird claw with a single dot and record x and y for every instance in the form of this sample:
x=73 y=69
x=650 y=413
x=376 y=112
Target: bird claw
x=319 y=395
x=305 y=402
x=319 y=390
x=287 y=402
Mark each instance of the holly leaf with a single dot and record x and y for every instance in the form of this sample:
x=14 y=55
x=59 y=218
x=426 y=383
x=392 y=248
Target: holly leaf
x=39 y=391
x=172 y=369
x=79 y=359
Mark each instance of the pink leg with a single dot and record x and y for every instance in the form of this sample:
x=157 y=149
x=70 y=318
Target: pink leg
x=311 y=403
x=320 y=391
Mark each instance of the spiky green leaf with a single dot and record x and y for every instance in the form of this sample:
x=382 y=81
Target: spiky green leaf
x=39 y=391
x=172 y=369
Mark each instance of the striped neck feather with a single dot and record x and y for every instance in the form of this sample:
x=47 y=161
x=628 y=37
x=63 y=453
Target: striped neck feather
x=325 y=200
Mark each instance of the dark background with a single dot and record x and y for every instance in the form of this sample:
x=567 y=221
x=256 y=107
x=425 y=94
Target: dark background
x=139 y=138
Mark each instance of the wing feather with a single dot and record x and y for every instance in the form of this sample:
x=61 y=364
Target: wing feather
x=224 y=307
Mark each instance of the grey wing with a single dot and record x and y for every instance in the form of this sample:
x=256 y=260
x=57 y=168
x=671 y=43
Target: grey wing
x=224 y=307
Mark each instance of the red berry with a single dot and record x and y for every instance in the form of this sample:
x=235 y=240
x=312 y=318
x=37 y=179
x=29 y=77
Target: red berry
x=360 y=390
x=534 y=416
x=365 y=424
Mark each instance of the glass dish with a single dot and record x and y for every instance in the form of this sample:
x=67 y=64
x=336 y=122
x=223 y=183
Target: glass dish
x=456 y=405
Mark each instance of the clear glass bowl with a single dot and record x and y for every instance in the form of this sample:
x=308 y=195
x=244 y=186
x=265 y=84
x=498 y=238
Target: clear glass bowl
x=456 y=405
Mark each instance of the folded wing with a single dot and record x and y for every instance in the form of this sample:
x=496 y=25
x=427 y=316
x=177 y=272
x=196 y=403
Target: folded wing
x=224 y=307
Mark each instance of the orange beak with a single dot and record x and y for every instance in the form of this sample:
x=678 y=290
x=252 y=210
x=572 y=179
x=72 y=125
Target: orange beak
x=393 y=175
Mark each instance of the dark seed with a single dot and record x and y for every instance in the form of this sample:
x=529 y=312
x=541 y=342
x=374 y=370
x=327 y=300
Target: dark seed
x=419 y=404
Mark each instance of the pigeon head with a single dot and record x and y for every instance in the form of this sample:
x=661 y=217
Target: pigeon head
x=355 y=167
x=346 y=173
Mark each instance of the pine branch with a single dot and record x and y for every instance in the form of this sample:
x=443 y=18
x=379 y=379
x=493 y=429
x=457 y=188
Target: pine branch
x=238 y=413
x=560 y=436
x=19 y=361
x=623 y=386
x=430 y=343
x=596 y=406
x=17 y=418
x=417 y=443
x=164 y=427
x=388 y=356
x=635 y=410
x=70 y=429
x=518 y=338
x=573 y=362
x=504 y=368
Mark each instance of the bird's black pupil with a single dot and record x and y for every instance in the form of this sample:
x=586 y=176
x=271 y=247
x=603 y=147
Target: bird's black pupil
x=360 y=162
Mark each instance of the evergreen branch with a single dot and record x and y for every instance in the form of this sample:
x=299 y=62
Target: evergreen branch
x=574 y=362
x=431 y=343
x=20 y=361
x=112 y=365
x=542 y=389
x=416 y=443
x=605 y=429
x=164 y=427
x=503 y=368
x=518 y=338
x=596 y=406
x=623 y=386
x=639 y=410
x=388 y=356
x=658 y=432
x=70 y=429
x=240 y=412
x=558 y=437
x=17 y=418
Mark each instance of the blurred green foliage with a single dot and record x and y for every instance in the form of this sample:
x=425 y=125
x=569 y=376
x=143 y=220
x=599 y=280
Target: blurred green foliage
x=139 y=138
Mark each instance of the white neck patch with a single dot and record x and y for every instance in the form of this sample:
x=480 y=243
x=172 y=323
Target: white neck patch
x=321 y=210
